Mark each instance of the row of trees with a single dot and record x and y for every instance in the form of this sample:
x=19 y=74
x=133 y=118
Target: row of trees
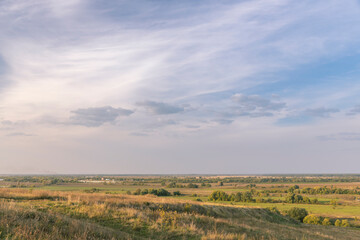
x=157 y=192
x=296 y=198
x=235 y=197
x=326 y=190
x=248 y=196
x=177 y=185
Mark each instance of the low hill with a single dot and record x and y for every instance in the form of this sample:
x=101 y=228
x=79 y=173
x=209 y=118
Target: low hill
x=26 y=214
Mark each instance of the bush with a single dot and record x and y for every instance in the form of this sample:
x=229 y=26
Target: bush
x=162 y=192
x=177 y=193
x=192 y=185
x=312 y=219
x=219 y=196
x=326 y=222
x=337 y=223
x=297 y=213
x=144 y=191
x=137 y=191
x=294 y=198
x=345 y=223
x=274 y=210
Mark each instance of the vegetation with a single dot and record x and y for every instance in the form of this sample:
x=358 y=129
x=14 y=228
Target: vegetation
x=179 y=207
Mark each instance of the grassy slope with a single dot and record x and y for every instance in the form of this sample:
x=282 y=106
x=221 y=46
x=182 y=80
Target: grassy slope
x=28 y=214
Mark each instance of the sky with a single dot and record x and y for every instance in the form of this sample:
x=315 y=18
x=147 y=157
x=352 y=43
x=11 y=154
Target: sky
x=179 y=87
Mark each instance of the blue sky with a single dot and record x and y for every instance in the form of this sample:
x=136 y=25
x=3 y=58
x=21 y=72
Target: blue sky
x=236 y=87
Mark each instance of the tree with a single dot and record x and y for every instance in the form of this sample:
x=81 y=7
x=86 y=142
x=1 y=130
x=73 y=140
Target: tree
x=137 y=191
x=219 y=196
x=144 y=191
x=163 y=192
x=297 y=213
x=177 y=193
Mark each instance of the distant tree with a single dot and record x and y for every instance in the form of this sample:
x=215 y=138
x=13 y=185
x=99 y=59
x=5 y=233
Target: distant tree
x=218 y=196
x=238 y=197
x=297 y=213
x=290 y=198
x=144 y=191
x=137 y=191
x=163 y=192
x=171 y=185
x=192 y=185
x=177 y=193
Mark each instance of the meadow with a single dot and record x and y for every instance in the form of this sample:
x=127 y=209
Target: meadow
x=179 y=207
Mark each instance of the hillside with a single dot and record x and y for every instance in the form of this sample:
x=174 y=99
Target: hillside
x=28 y=214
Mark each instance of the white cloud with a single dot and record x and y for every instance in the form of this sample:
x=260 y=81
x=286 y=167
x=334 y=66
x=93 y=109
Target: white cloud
x=160 y=108
x=94 y=117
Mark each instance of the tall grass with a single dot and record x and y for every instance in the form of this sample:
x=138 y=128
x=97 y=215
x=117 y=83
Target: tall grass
x=30 y=214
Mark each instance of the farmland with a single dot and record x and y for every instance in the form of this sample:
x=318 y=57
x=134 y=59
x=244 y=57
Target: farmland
x=179 y=207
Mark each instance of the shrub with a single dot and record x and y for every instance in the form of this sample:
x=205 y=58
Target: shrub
x=297 y=213
x=345 y=223
x=162 y=192
x=274 y=210
x=177 y=193
x=312 y=219
x=137 y=191
x=192 y=185
x=293 y=198
x=326 y=222
x=337 y=223
x=144 y=191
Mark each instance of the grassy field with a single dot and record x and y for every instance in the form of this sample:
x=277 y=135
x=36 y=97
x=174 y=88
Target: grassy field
x=110 y=210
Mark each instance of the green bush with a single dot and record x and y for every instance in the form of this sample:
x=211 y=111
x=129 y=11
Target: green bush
x=312 y=219
x=337 y=223
x=345 y=223
x=219 y=196
x=177 y=193
x=326 y=222
x=274 y=210
x=297 y=213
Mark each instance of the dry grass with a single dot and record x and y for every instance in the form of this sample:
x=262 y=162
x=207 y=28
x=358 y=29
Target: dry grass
x=27 y=214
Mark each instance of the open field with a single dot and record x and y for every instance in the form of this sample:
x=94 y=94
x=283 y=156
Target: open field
x=66 y=207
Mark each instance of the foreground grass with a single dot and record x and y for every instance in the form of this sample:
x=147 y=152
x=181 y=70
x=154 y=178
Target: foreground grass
x=26 y=214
